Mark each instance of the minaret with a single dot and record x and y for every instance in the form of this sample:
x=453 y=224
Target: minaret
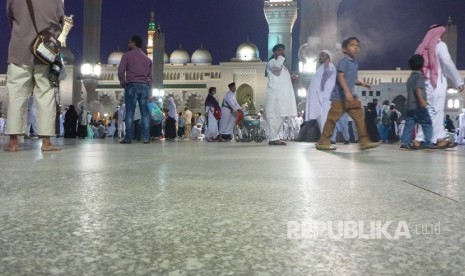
x=281 y=16
x=158 y=49
x=92 y=29
x=320 y=21
x=151 y=32
x=66 y=28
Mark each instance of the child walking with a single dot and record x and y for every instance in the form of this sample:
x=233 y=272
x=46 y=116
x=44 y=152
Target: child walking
x=416 y=106
x=343 y=98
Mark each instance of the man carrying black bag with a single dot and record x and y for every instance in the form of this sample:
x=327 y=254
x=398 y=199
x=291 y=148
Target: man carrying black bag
x=26 y=73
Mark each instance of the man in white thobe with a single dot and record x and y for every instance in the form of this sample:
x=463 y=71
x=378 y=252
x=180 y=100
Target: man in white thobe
x=2 y=125
x=461 y=135
x=121 y=123
x=229 y=109
x=437 y=69
x=320 y=89
x=280 y=96
x=298 y=121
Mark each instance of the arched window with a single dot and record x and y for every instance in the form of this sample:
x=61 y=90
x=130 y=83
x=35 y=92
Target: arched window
x=456 y=103
x=450 y=103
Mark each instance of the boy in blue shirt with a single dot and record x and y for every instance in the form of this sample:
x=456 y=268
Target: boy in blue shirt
x=416 y=106
x=343 y=98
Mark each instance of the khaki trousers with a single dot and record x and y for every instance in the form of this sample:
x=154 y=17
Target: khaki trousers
x=22 y=80
x=187 y=131
x=355 y=111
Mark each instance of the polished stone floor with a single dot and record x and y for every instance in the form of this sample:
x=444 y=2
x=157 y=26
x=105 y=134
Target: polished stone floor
x=199 y=208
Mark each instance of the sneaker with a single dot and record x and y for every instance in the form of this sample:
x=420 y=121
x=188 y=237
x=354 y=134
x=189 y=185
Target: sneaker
x=430 y=147
x=324 y=147
x=369 y=145
x=346 y=142
x=406 y=147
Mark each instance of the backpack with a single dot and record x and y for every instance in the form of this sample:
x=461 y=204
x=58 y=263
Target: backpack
x=217 y=112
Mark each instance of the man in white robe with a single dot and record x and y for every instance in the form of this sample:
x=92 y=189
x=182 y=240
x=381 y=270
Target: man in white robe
x=461 y=135
x=2 y=125
x=121 y=123
x=280 y=96
x=298 y=121
x=211 y=132
x=438 y=68
x=319 y=91
x=229 y=109
x=196 y=132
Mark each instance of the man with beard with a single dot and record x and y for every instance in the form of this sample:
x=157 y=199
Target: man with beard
x=320 y=89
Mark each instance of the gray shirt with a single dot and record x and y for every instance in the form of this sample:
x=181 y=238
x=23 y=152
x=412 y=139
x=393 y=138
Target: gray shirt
x=416 y=80
x=48 y=15
x=349 y=67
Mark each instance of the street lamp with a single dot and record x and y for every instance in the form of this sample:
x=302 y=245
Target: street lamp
x=158 y=94
x=90 y=75
x=302 y=92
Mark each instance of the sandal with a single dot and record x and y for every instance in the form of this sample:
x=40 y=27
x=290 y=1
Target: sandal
x=277 y=143
x=452 y=145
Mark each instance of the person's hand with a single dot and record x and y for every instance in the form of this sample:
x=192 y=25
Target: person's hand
x=366 y=85
x=294 y=77
x=461 y=88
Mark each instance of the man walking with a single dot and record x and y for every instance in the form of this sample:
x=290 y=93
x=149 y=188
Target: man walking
x=229 y=109
x=437 y=69
x=135 y=75
x=320 y=89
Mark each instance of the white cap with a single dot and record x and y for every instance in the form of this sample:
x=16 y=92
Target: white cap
x=328 y=53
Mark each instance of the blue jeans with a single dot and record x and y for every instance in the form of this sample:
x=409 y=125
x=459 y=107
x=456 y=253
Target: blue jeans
x=420 y=116
x=137 y=92
x=384 y=132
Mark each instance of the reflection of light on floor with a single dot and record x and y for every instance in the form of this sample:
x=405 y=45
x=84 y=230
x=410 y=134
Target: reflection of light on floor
x=91 y=197
x=307 y=180
x=452 y=182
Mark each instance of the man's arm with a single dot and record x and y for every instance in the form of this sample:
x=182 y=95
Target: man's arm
x=276 y=65
x=122 y=70
x=364 y=84
x=150 y=74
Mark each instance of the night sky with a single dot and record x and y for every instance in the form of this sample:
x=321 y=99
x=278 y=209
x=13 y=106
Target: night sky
x=389 y=30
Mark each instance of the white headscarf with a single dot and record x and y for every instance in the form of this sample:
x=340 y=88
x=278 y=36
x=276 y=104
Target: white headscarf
x=172 y=109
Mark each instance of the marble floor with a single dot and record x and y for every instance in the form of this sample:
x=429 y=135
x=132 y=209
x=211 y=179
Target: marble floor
x=199 y=208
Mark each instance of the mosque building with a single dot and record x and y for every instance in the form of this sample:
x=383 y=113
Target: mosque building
x=187 y=76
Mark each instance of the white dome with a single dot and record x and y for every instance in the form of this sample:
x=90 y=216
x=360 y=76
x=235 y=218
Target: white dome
x=166 y=58
x=247 y=52
x=115 y=58
x=179 y=57
x=201 y=56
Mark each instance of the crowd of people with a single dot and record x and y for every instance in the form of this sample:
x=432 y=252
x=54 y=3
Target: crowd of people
x=332 y=100
x=330 y=103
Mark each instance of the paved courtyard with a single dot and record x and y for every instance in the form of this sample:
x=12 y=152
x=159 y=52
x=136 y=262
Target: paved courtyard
x=199 y=208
